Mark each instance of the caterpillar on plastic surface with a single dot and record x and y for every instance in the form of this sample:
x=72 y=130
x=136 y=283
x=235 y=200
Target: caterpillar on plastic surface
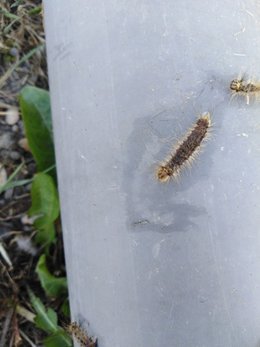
x=184 y=153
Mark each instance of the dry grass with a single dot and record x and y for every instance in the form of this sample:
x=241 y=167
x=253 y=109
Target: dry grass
x=22 y=54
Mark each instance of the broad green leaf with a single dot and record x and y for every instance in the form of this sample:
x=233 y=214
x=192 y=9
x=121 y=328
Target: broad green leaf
x=53 y=286
x=59 y=339
x=46 y=235
x=46 y=319
x=36 y=114
x=45 y=202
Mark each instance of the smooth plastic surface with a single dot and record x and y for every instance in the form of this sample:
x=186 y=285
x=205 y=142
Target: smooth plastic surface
x=153 y=264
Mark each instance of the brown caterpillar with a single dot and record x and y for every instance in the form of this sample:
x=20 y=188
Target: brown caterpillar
x=184 y=153
x=80 y=335
x=245 y=88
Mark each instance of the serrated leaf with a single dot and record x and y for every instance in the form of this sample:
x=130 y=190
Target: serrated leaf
x=36 y=114
x=43 y=323
x=45 y=206
x=53 y=286
x=59 y=339
x=45 y=319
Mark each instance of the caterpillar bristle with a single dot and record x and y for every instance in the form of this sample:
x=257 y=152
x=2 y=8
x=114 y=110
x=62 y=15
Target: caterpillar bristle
x=185 y=151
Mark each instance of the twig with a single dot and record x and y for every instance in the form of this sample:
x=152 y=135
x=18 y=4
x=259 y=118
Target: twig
x=28 y=315
x=27 y=338
x=5 y=256
x=6 y=327
x=16 y=332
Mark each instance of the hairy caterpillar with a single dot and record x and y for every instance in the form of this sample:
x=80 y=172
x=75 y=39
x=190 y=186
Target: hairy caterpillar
x=185 y=151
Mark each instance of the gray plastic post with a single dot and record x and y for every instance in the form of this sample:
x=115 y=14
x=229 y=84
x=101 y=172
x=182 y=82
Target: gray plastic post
x=153 y=264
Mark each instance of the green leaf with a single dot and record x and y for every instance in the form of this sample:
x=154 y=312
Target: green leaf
x=53 y=286
x=45 y=201
x=8 y=14
x=45 y=319
x=34 y=11
x=36 y=114
x=65 y=308
x=46 y=235
x=45 y=207
x=60 y=339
